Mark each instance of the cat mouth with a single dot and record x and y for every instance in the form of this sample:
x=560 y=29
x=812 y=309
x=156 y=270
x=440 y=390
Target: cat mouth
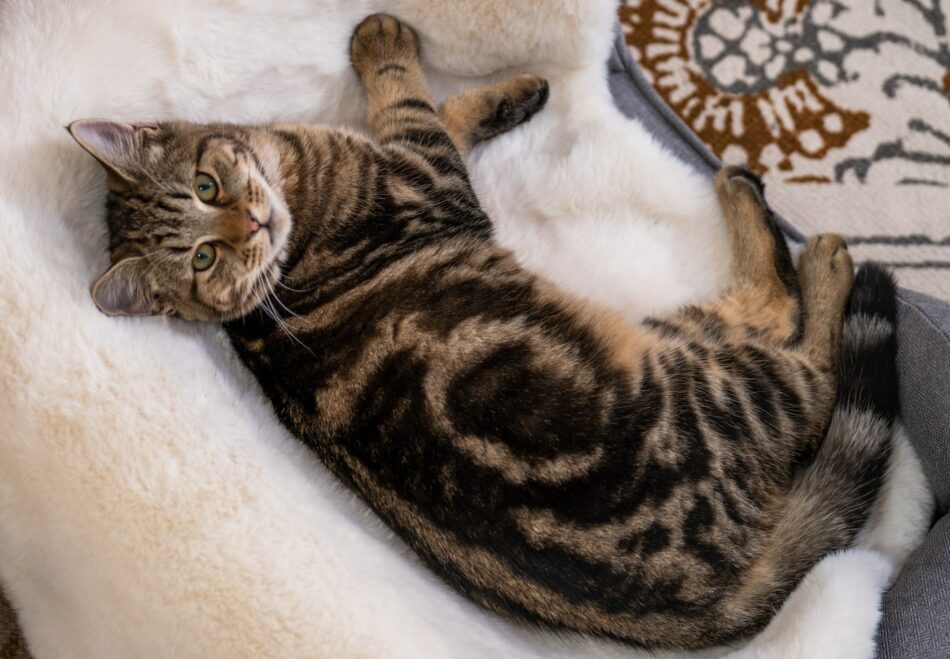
x=277 y=234
x=269 y=269
x=269 y=226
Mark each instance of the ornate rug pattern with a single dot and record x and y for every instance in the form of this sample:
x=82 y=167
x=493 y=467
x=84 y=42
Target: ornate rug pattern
x=843 y=106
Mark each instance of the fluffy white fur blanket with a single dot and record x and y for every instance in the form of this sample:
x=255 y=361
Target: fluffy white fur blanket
x=150 y=504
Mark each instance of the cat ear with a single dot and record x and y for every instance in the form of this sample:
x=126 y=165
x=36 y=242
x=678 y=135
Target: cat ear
x=120 y=147
x=123 y=290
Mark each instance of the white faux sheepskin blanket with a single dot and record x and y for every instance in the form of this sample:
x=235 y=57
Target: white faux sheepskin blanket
x=150 y=503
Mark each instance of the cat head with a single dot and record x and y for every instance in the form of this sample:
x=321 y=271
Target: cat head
x=198 y=223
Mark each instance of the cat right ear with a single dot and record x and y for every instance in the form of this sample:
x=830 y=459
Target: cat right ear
x=123 y=290
x=118 y=146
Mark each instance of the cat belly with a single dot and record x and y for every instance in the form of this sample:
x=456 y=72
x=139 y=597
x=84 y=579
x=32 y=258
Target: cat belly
x=644 y=238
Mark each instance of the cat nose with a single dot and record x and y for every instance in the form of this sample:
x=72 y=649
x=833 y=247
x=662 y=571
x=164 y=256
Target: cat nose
x=253 y=226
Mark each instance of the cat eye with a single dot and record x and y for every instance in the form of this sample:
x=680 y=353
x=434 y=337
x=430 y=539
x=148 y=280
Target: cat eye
x=205 y=188
x=204 y=256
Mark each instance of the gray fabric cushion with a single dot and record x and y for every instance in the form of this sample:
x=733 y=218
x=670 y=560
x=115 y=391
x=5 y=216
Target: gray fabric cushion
x=917 y=607
x=924 y=364
x=916 y=622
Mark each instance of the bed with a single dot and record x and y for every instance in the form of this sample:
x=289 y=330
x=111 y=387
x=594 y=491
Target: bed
x=150 y=503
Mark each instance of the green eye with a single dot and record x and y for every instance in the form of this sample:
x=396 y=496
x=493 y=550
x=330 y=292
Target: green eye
x=205 y=188
x=204 y=257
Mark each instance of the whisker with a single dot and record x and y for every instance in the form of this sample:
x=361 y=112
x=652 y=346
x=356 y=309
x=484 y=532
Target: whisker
x=278 y=281
x=268 y=308
x=276 y=299
x=295 y=290
x=292 y=290
x=266 y=304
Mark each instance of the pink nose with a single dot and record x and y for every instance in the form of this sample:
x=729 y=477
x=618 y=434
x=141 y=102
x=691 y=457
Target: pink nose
x=253 y=226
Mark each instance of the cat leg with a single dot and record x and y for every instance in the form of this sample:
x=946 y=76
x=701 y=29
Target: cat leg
x=765 y=296
x=827 y=275
x=385 y=54
x=803 y=310
x=401 y=112
x=768 y=296
x=479 y=114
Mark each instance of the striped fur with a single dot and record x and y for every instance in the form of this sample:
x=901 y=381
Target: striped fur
x=667 y=484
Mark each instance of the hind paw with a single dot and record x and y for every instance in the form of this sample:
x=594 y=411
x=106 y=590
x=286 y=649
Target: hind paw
x=738 y=186
x=827 y=270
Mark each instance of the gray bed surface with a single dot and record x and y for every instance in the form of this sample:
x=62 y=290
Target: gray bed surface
x=916 y=623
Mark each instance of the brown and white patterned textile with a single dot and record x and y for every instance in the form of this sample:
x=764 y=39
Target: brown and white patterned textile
x=843 y=106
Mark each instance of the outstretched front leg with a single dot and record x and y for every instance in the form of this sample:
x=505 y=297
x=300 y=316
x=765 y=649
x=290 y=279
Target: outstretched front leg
x=385 y=53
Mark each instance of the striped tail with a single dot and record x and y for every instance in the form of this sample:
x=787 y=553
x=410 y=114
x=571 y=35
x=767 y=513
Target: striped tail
x=832 y=498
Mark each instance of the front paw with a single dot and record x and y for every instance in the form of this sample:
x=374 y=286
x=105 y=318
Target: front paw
x=383 y=43
x=523 y=97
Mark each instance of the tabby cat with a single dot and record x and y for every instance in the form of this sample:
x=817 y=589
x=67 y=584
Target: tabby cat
x=667 y=484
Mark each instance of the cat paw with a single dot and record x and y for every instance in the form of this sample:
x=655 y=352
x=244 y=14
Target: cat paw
x=742 y=199
x=826 y=269
x=523 y=96
x=383 y=43
x=734 y=182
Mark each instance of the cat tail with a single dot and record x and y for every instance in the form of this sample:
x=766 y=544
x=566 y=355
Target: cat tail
x=832 y=497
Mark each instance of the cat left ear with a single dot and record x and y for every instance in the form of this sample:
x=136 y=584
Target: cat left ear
x=123 y=290
x=120 y=147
